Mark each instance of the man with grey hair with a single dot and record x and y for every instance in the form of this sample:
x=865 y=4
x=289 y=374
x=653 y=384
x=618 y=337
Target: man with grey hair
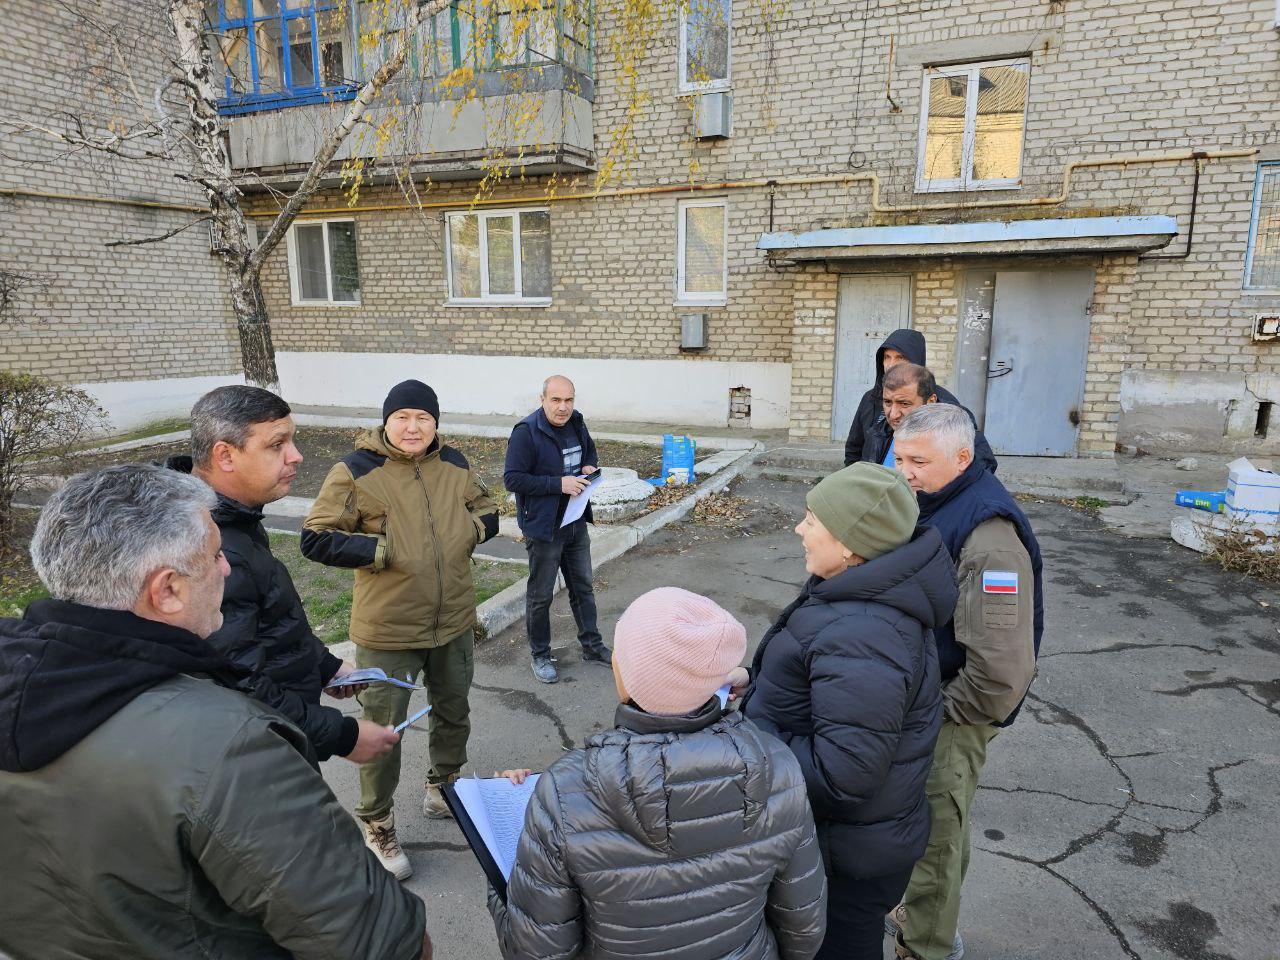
x=242 y=445
x=549 y=457
x=149 y=808
x=986 y=653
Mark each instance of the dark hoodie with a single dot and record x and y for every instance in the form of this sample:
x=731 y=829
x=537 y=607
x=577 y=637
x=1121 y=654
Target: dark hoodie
x=65 y=669
x=265 y=630
x=848 y=677
x=870 y=434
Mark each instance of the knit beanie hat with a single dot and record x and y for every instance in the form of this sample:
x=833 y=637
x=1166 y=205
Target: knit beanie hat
x=411 y=395
x=674 y=649
x=868 y=508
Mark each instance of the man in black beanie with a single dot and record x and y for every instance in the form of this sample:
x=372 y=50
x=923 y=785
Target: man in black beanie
x=406 y=512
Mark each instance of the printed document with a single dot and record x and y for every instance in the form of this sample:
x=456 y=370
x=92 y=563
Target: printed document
x=578 y=504
x=496 y=807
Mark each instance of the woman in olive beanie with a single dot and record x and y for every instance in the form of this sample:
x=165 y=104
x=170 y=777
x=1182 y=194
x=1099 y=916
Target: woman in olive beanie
x=848 y=678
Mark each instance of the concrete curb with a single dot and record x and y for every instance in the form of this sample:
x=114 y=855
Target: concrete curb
x=501 y=611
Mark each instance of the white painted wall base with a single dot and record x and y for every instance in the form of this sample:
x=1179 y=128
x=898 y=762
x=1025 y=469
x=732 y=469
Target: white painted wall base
x=1167 y=410
x=134 y=403
x=694 y=392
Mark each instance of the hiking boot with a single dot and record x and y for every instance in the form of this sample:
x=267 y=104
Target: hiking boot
x=544 y=668
x=597 y=653
x=380 y=837
x=433 y=805
x=893 y=922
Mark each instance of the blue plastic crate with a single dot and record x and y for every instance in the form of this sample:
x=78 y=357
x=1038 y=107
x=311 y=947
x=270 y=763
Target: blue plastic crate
x=678 y=454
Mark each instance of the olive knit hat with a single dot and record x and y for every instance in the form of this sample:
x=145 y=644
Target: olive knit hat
x=868 y=508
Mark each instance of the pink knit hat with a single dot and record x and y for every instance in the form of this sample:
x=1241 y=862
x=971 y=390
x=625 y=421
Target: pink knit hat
x=674 y=648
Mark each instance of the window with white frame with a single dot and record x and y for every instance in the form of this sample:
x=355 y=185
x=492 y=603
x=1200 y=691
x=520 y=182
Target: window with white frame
x=705 y=27
x=322 y=262
x=972 y=120
x=499 y=256
x=1262 y=263
x=702 y=272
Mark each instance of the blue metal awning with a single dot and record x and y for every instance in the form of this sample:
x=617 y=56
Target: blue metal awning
x=1065 y=235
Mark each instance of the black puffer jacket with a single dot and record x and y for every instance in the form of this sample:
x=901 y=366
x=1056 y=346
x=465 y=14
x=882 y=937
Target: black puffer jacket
x=679 y=837
x=870 y=434
x=265 y=629
x=848 y=677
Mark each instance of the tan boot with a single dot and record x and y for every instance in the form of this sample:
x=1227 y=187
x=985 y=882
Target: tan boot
x=380 y=837
x=433 y=805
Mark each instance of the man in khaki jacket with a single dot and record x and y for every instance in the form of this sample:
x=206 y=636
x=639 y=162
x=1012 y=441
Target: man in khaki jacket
x=987 y=654
x=406 y=512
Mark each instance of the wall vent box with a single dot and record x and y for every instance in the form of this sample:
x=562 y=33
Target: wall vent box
x=1266 y=326
x=693 y=331
x=713 y=119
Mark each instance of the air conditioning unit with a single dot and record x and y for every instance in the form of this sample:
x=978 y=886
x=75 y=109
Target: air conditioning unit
x=1266 y=326
x=693 y=331
x=713 y=116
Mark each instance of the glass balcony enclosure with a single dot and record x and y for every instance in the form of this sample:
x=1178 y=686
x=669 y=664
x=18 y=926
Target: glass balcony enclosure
x=281 y=53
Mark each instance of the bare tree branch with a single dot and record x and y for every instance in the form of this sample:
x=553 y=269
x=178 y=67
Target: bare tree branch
x=164 y=236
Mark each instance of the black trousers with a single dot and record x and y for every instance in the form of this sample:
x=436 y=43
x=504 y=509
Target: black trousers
x=569 y=552
x=855 y=915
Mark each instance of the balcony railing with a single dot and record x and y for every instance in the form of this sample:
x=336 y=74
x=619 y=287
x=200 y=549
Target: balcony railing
x=279 y=53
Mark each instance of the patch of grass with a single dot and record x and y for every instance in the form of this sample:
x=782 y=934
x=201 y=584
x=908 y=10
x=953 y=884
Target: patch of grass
x=1089 y=505
x=19 y=584
x=326 y=591
x=17 y=592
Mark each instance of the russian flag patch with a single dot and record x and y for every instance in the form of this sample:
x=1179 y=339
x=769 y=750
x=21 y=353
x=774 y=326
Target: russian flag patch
x=999 y=581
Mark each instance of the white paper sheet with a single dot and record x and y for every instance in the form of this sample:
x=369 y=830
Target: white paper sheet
x=370 y=675
x=496 y=807
x=578 y=504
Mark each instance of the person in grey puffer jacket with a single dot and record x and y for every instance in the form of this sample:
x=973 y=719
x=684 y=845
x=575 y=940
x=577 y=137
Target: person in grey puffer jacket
x=684 y=832
x=848 y=677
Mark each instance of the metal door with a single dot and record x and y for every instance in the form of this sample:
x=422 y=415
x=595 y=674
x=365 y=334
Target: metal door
x=1039 y=348
x=868 y=310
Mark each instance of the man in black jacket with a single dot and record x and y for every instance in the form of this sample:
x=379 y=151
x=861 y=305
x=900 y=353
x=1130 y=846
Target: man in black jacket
x=242 y=446
x=869 y=427
x=549 y=456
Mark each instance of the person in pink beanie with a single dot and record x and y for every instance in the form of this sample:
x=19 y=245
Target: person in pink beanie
x=684 y=831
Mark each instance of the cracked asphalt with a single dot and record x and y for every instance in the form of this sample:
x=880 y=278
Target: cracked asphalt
x=1131 y=812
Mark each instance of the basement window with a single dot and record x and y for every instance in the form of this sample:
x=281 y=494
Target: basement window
x=498 y=257
x=972 y=121
x=323 y=270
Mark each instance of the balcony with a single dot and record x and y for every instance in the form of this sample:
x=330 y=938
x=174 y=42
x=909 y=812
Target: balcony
x=480 y=81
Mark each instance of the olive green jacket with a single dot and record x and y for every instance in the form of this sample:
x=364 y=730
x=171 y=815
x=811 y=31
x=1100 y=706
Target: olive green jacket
x=407 y=525
x=193 y=824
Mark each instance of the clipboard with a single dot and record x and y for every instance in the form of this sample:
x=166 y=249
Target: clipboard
x=478 y=847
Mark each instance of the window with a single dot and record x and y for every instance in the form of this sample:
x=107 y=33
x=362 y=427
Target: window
x=499 y=256
x=972 y=120
x=322 y=262
x=277 y=52
x=1262 y=263
x=701 y=265
x=704 y=45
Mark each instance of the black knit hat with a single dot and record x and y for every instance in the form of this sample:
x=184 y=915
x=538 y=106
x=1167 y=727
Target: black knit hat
x=411 y=395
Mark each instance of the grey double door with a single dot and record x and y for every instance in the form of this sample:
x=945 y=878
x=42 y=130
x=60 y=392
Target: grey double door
x=1021 y=349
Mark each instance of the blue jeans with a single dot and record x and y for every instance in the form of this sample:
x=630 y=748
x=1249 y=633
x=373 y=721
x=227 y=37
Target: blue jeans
x=568 y=553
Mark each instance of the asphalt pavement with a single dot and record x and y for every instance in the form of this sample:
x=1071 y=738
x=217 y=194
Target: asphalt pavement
x=1131 y=812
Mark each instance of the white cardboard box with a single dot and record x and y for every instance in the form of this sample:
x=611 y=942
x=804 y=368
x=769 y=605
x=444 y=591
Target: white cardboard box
x=1253 y=495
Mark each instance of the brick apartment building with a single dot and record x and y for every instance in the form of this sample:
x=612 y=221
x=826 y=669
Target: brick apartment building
x=1076 y=201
